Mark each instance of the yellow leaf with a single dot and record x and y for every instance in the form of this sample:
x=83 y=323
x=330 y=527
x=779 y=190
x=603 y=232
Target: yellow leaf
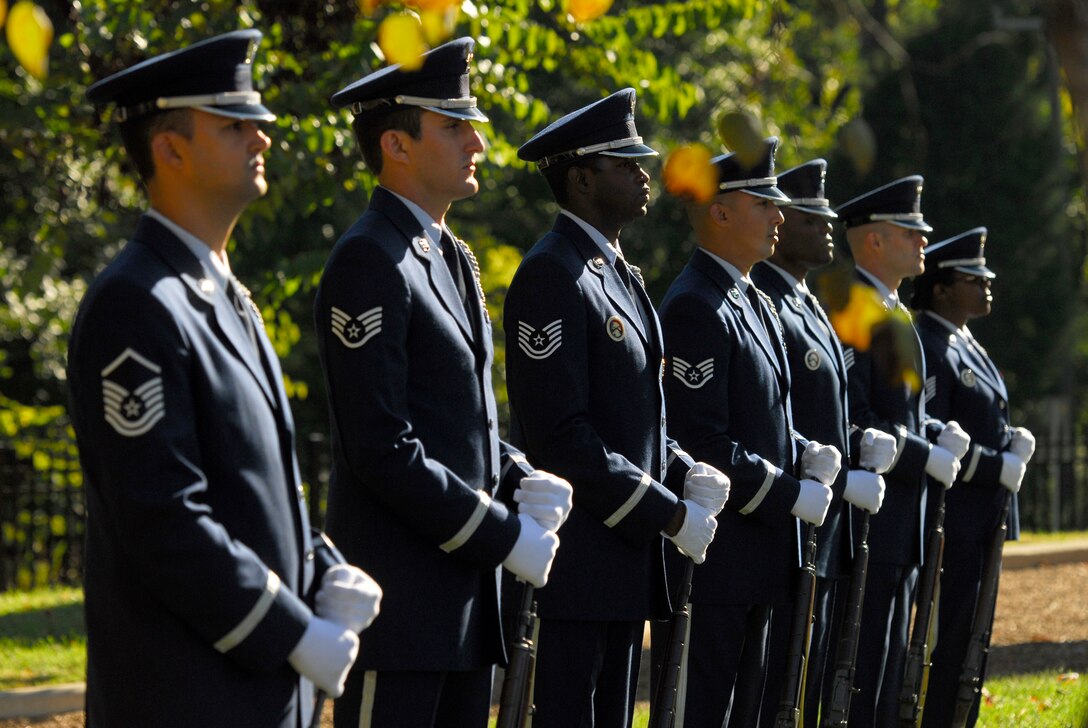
x=689 y=173
x=855 y=321
x=29 y=34
x=438 y=25
x=401 y=40
x=3 y=11
x=584 y=11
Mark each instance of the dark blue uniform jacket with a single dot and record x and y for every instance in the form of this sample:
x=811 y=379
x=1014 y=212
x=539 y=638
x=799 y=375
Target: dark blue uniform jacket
x=584 y=377
x=199 y=551
x=416 y=452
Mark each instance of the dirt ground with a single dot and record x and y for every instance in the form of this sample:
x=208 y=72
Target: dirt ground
x=1041 y=624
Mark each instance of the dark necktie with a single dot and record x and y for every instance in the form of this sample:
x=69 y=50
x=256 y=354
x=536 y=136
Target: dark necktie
x=757 y=306
x=244 y=307
x=453 y=262
x=625 y=273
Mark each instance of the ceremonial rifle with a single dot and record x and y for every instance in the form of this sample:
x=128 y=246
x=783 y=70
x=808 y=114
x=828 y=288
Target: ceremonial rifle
x=912 y=696
x=846 y=652
x=982 y=622
x=668 y=682
x=793 y=687
x=515 y=703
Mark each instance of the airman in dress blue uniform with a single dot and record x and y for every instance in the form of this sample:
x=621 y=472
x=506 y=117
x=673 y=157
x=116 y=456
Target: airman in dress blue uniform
x=818 y=379
x=584 y=377
x=886 y=230
x=727 y=384
x=405 y=344
x=964 y=384
x=202 y=577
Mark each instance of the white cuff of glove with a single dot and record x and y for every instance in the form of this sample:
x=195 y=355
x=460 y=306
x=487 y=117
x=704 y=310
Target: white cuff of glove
x=1022 y=444
x=821 y=462
x=954 y=439
x=942 y=465
x=531 y=558
x=696 y=532
x=545 y=497
x=864 y=489
x=325 y=654
x=877 y=451
x=812 y=503
x=707 y=486
x=1012 y=471
x=348 y=597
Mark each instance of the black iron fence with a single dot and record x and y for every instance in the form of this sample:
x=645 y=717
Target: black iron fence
x=42 y=508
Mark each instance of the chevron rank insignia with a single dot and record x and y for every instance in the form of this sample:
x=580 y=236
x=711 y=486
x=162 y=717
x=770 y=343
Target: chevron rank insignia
x=848 y=356
x=540 y=343
x=132 y=394
x=354 y=332
x=693 y=376
x=931 y=388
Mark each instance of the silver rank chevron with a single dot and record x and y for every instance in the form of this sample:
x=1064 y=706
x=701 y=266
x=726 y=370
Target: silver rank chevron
x=132 y=412
x=354 y=332
x=540 y=343
x=693 y=376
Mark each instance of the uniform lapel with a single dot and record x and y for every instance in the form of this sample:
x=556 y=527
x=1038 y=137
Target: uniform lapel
x=732 y=293
x=437 y=273
x=596 y=264
x=984 y=366
x=224 y=318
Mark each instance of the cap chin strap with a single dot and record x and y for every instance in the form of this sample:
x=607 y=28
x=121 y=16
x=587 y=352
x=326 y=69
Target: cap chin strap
x=958 y=262
x=809 y=201
x=591 y=149
x=226 y=98
x=466 y=103
x=757 y=182
x=896 y=216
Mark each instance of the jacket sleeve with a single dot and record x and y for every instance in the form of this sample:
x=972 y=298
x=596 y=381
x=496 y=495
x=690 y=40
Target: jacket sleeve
x=550 y=396
x=368 y=395
x=150 y=481
x=696 y=338
x=912 y=450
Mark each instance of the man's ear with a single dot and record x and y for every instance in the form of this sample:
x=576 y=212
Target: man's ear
x=395 y=143
x=577 y=178
x=719 y=212
x=168 y=149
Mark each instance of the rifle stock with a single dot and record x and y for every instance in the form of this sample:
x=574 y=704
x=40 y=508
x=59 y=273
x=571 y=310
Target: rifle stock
x=912 y=696
x=982 y=622
x=515 y=705
x=793 y=686
x=668 y=683
x=846 y=651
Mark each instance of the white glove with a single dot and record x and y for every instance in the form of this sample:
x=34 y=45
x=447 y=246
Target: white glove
x=531 y=558
x=942 y=465
x=707 y=486
x=812 y=502
x=1022 y=444
x=546 y=497
x=954 y=439
x=348 y=597
x=1012 y=471
x=325 y=654
x=864 y=489
x=696 y=532
x=877 y=451
x=821 y=462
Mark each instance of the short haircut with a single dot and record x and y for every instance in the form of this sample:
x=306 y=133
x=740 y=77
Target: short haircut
x=556 y=176
x=137 y=133
x=922 y=296
x=370 y=126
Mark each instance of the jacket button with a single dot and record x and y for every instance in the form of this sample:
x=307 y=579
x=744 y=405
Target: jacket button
x=310 y=555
